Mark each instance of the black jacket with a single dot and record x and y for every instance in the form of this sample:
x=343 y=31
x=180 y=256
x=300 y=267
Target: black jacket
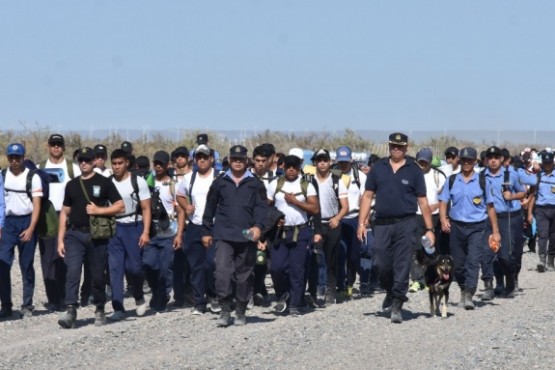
x=230 y=209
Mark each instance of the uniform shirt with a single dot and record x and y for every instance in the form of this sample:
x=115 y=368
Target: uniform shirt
x=435 y=181
x=546 y=189
x=354 y=192
x=18 y=203
x=329 y=204
x=168 y=200
x=196 y=195
x=101 y=191
x=467 y=199
x=125 y=189
x=525 y=177
x=494 y=187
x=56 y=189
x=396 y=193
x=293 y=214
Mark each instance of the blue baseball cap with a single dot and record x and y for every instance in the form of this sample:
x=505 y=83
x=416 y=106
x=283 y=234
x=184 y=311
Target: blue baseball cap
x=15 y=149
x=344 y=154
x=468 y=153
x=424 y=154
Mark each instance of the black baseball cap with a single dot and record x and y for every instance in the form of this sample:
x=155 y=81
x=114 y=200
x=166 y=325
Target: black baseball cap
x=547 y=157
x=493 y=151
x=161 y=156
x=321 y=153
x=127 y=147
x=292 y=161
x=56 y=139
x=180 y=150
x=202 y=139
x=86 y=153
x=451 y=151
x=100 y=149
x=238 y=151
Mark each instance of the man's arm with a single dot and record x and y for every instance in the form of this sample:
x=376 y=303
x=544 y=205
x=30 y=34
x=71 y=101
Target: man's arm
x=364 y=212
x=64 y=214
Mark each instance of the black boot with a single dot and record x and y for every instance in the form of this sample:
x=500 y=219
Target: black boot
x=550 y=263
x=387 y=302
x=241 y=318
x=542 y=263
x=468 y=293
x=510 y=285
x=225 y=315
x=396 y=306
x=67 y=319
x=488 y=293
x=462 y=302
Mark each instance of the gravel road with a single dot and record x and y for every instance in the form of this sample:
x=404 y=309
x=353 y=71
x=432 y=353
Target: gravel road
x=502 y=334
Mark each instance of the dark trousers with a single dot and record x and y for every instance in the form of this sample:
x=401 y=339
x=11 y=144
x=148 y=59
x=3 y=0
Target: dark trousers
x=349 y=253
x=13 y=226
x=509 y=255
x=200 y=262
x=234 y=263
x=467 y=245
x=393 y=250
x=53 y=271
x=157 y=261
x=125 y=256
x=181 y=274
x=330 y=245
x=288 y=265
x=545 y=223
x=80 y=247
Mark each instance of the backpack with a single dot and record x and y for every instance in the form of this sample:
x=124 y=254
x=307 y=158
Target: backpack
x=354 y=168
x=47 y=225
x=481 y=181
x=335 y=180
x=194 y=176
x=160 y=217
x=134 y=196
x=304 y=186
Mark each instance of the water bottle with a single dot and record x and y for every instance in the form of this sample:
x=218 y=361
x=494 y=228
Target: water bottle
x=248 y=234
x=428 y=245
x=173 y=227
x=260 y=257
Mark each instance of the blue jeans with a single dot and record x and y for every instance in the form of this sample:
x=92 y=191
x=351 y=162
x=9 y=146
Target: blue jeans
x=13 y=226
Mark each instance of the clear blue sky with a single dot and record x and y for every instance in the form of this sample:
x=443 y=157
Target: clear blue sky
x=278 y=64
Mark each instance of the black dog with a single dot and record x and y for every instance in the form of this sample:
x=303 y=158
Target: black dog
x=438 y=275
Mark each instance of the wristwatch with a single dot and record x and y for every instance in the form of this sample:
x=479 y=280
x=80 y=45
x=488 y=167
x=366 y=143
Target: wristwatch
x=430 y=229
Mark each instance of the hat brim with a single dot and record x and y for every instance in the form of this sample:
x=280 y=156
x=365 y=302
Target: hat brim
x=343 y=159
x=398 y=142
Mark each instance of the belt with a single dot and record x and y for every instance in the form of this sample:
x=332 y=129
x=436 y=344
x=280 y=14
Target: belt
x=289 y=228
x=461 y=223
x=546 y=206
x=391 y=220
x=82 y=229
x=509 y=214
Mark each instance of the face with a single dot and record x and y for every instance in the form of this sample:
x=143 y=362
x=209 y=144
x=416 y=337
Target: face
x=548 y=167
x=99 y=160
x=160 y=168
x=238 y=164
x=85 y=165
x=452 y=159
x=291 y=173
x=494 y=162
x=397 y=151
x=56 y=150
x=323 y=164
x=344 y=166
x=203 y=162
x=424 y=165
x=468 y=164
x=260 y=164
x=16 y=162
x=119 y=166
x=181 y=160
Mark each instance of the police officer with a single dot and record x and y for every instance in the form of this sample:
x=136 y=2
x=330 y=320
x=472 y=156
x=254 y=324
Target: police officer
x=506 y=190
x=236 y=202
x=542 y=206
x=470 y=207
x=398 y=185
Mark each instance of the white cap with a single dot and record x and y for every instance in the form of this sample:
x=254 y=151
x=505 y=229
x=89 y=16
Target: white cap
x=297 y=152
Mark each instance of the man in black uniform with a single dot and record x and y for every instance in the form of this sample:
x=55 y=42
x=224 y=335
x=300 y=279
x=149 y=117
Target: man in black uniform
x=77 y=244
x=236 y=202
x=398 y=184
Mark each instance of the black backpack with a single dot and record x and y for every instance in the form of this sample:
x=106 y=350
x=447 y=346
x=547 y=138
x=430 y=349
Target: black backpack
x=160 y=217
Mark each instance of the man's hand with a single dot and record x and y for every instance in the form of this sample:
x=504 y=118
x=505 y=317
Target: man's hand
x=61 y=249
x=446 y=225
x=144 y=239
x=206 y=241
x=26 y=235
x=92 y=209
x=361 y=233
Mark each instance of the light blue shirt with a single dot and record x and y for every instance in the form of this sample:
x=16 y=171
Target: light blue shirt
x=494 y=189
x=546 y=190
x=468 y=203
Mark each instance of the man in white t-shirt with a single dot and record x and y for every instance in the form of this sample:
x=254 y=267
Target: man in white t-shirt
x=191 y=196
x=100 y=157
x=22 y=214
x=297 y=201
x=61 y=170
x=132 y=235
x=158 y=254
x=452 y=160
x=435 y=181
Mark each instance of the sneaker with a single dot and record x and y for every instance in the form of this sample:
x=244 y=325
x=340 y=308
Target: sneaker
x=415 y=287
x=5 y=313
x=140 y=307
x=349 y=291
x=214 y=305
x=99 y=317
x=26 y=312
x=294 y=312
x=250 y=303
x=67 y=319
x=281 y=304
x=197 y=311
x=330 y=297
x=116 y=316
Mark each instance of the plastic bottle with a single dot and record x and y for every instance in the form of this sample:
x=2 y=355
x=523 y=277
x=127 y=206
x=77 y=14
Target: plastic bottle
x=248 y=234
x=428 y=245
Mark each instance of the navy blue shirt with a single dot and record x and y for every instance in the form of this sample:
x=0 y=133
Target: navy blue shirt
x=467 y=199
x=494 y=187
x=396 y=193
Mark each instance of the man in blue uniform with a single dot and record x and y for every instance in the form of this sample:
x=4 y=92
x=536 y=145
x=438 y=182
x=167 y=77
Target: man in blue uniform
x=398 y=184
x=470 y=207
x=235 y=202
